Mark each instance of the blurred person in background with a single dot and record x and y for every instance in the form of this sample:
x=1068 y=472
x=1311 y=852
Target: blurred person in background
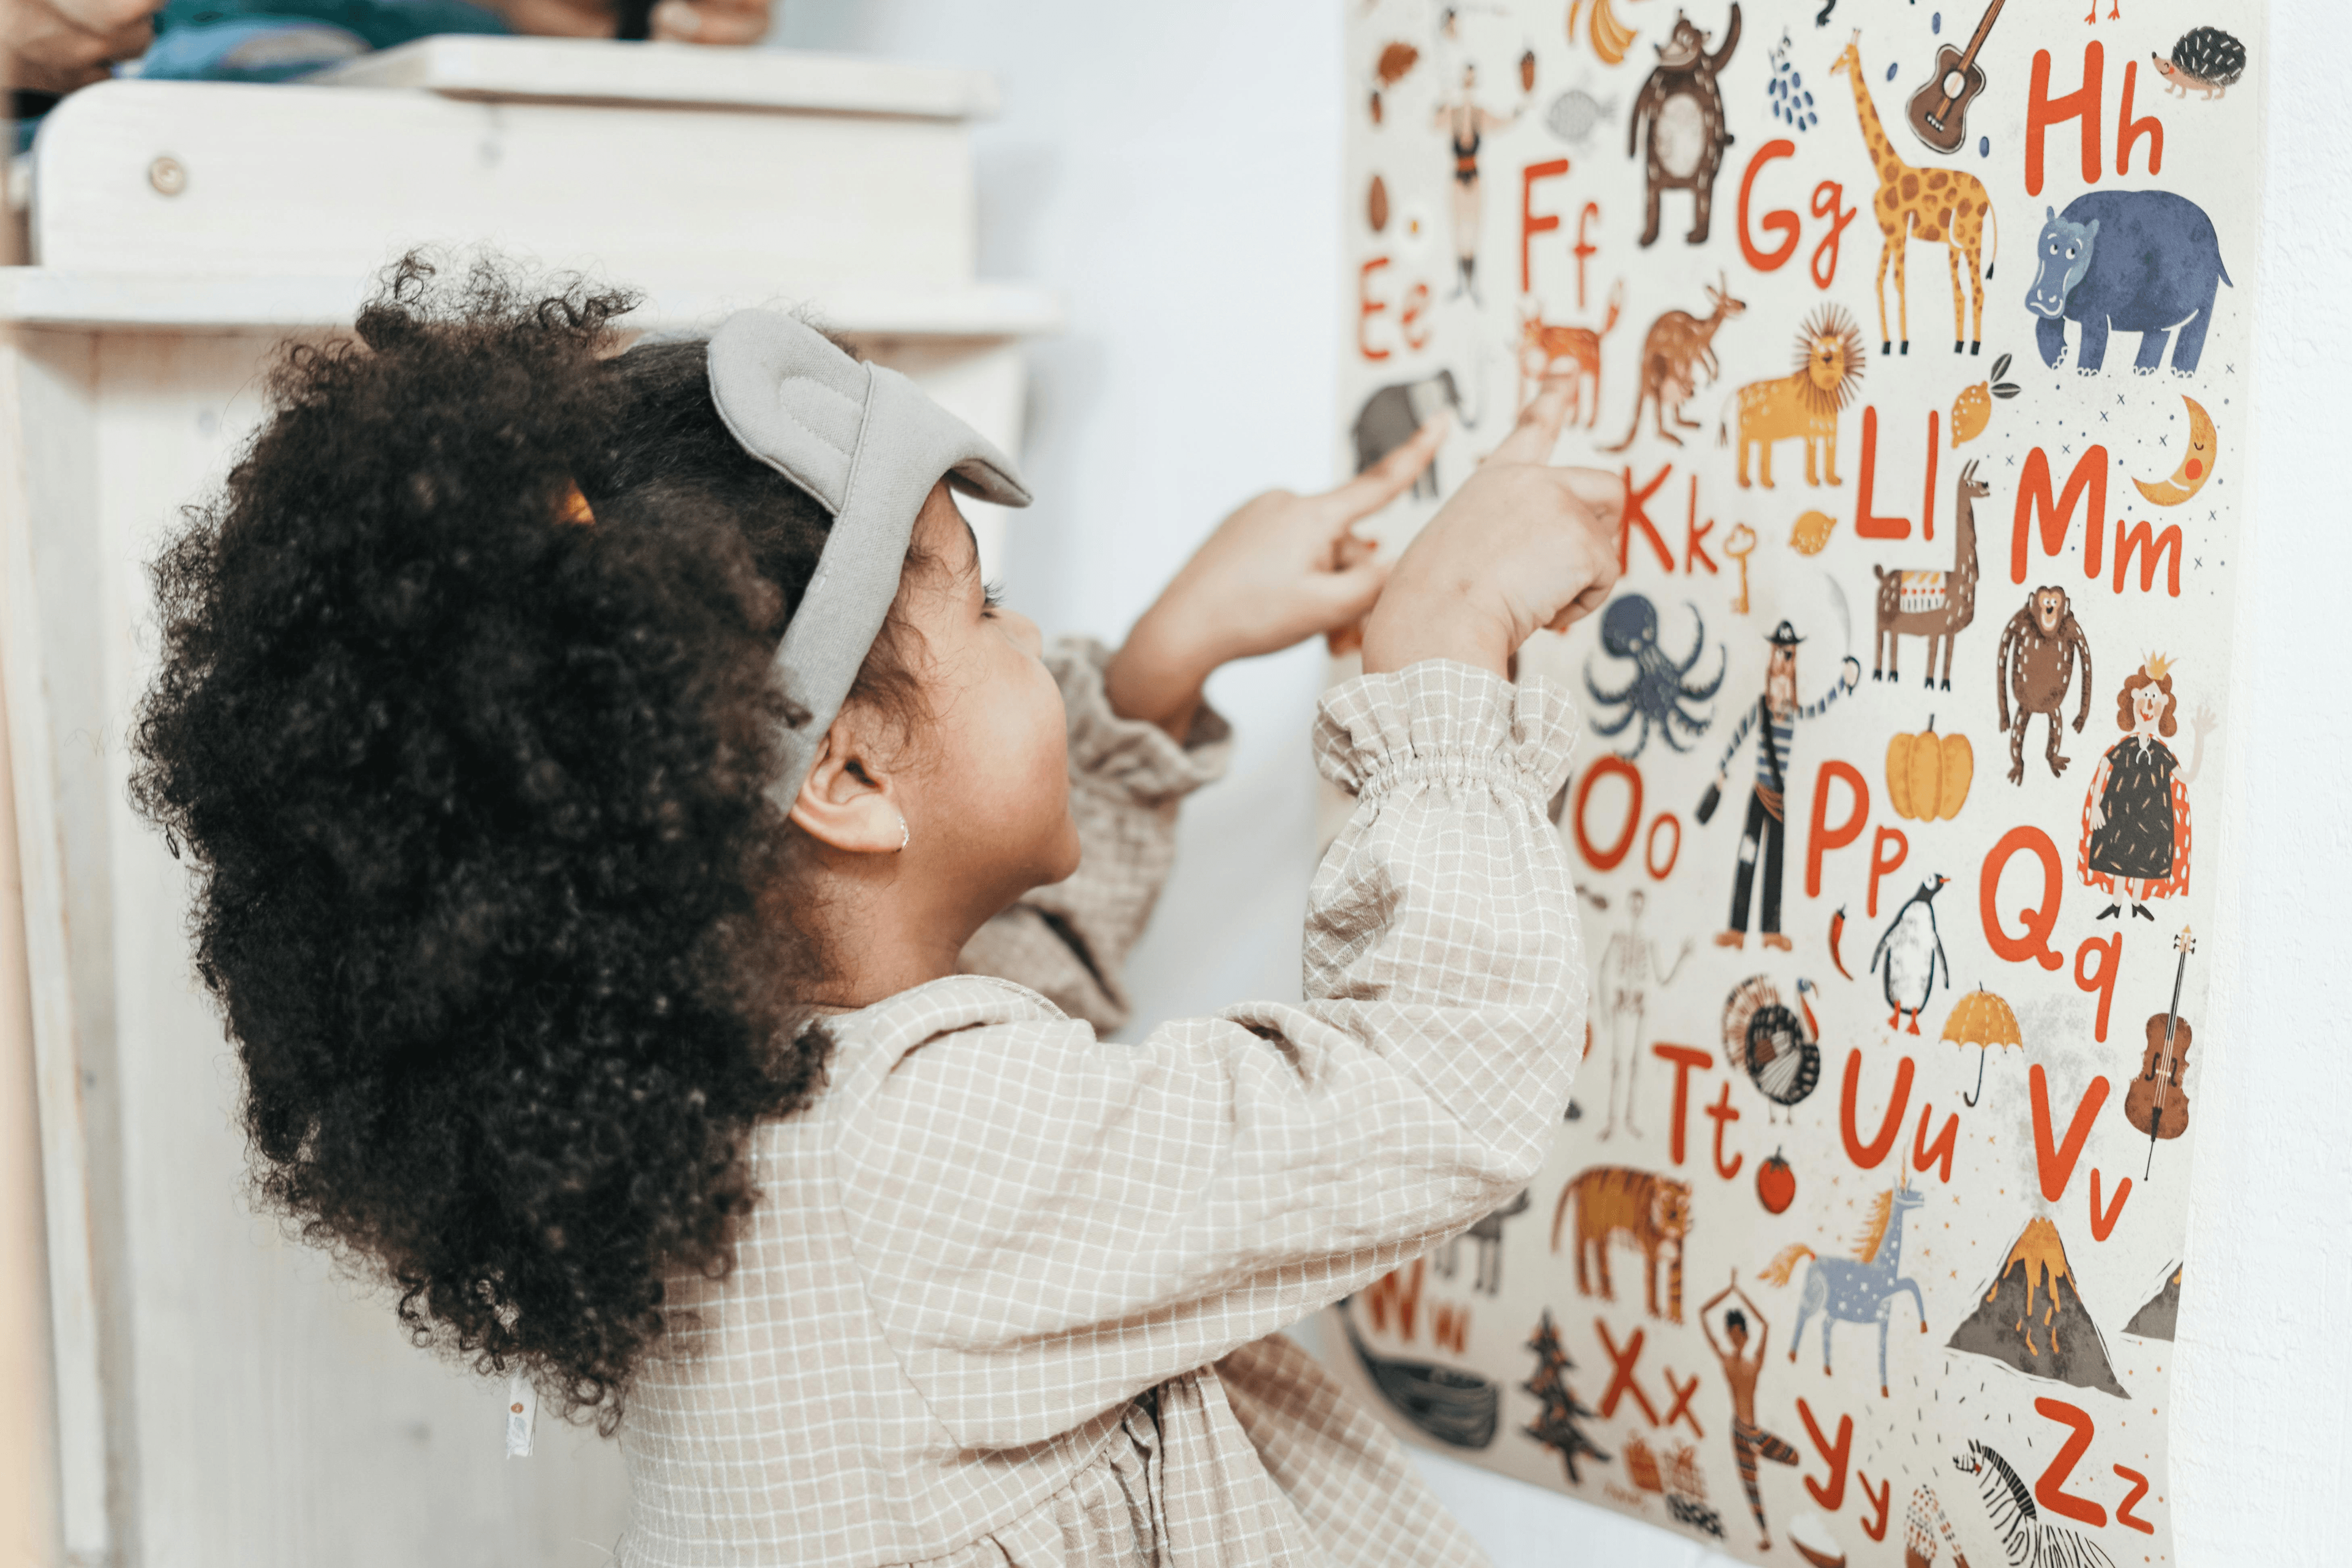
x=51 y=48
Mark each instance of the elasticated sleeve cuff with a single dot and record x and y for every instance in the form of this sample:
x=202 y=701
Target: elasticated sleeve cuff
x=1443 y=719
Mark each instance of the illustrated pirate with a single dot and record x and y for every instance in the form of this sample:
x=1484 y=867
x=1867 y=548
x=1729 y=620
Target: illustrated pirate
x=1767 y=802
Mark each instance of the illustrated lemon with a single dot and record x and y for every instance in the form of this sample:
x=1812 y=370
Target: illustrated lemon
x=1972 y=410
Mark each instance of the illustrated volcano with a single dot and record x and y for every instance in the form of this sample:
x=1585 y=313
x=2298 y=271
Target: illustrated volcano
x=2155 y=1321
x=2032 y=1319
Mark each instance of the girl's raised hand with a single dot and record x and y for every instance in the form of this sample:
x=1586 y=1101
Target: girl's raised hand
x=1281 y=569
x=1521 y=545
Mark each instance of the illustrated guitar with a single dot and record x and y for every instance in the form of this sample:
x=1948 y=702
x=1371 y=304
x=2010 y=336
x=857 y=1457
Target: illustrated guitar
x=1939 y=112
x=2155 y=1102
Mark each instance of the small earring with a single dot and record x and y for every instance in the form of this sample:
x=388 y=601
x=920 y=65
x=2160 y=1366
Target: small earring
x=903 y=833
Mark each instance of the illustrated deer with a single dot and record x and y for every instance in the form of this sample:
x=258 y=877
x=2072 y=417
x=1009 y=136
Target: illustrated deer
x=1931 y=603
x=1679 y=345
x=1544 y=348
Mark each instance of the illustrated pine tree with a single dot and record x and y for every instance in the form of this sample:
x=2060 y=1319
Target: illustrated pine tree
x=1557 y=1423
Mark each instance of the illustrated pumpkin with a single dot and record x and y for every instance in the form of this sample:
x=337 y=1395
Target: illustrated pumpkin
x=1928 y=775
x=1776 y=1185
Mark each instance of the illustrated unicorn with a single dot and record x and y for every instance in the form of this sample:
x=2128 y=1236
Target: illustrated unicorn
x=2028 y=1540
x=1860 y=1289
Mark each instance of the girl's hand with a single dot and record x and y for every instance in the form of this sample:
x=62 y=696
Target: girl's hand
x=1281 y=569
x=1520 y=547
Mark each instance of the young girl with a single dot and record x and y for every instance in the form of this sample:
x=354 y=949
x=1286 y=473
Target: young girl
x=613 y=793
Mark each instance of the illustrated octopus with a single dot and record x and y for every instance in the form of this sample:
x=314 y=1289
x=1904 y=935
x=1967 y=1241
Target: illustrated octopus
x=1660 y=693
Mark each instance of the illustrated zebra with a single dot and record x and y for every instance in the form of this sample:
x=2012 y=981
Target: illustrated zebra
x=2028 y=1540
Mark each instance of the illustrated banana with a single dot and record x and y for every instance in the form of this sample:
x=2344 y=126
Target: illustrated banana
x=1611 y=38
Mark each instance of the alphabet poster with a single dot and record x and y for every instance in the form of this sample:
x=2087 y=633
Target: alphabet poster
x=1920 y=332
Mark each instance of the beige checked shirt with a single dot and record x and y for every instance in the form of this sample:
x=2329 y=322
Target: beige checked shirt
x=1011 y=1294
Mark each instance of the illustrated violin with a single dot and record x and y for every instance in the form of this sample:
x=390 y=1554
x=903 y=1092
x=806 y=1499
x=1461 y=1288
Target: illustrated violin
x=2155 y=1103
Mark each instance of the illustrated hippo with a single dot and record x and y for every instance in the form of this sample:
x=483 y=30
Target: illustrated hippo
x=2135 y=261
x=1393 y=414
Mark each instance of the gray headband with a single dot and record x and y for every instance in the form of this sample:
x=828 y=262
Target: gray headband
x=869 y=445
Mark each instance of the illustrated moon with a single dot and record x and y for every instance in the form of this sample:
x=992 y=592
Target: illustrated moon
x=2195 y=467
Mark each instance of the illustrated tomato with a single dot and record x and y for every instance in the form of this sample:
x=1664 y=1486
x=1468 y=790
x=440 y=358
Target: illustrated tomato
x=1776 y=1185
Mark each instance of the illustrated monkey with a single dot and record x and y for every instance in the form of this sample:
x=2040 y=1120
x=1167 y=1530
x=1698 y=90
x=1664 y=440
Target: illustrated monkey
x=1682 y=107
x=2035 y=665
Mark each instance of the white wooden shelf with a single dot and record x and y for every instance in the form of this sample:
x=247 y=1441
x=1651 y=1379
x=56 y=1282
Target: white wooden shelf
x=590 y=71
x=158 y=303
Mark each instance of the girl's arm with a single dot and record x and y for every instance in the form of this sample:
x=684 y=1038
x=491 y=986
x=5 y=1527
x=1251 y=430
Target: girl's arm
x=1047 y=1224
x=1280 y=569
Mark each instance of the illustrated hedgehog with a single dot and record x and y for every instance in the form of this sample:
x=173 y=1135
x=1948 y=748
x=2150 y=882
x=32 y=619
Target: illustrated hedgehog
x=2207 y=58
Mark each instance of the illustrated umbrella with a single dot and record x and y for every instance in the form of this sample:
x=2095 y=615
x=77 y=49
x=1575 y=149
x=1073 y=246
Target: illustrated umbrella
x=1984 y=1020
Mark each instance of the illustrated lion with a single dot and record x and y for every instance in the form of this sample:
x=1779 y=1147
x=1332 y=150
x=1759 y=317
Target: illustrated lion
x=1804 y=406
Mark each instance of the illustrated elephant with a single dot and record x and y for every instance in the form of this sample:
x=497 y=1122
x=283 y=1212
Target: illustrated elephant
x=1393 y=413
x=2135 y=261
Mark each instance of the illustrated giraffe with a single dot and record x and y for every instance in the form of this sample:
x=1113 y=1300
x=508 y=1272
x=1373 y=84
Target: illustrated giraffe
x=1944 y=205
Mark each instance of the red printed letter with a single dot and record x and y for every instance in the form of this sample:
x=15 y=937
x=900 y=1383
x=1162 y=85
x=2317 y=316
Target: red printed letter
x=1685 y=1059
x=2049 y=1490
x=1621 y=1376
x=1865 y=522
x=1867 y=1156
x=2056 y=1160
x=1636 y=517
x=2101 y=980
x=1836 y=1454
x=1828 y=197
x=2103 y=1226
x=1367 y=307
x=1939 y=1152
x=1881 y=863
x=2057 y=515
x=1779 y=220
x=2124 y=1514
x=2128 y=131
x=1532 y=223
x=1609 y=764
x=2042 y=111
x=1822 y=837
x=1721 y=1112
x=2153 y=547
x=2034 y=942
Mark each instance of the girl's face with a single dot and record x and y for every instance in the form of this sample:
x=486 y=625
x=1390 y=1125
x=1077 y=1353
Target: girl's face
x=988 y=794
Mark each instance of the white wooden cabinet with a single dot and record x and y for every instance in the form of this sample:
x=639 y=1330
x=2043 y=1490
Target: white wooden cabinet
x=224 y=1398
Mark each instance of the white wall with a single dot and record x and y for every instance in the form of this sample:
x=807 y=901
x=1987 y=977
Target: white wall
x=1173 y=170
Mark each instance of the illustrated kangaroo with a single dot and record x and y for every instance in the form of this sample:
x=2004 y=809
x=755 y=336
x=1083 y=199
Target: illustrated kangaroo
x=1544 y=348
x=1678 y=346
x=1931 y=603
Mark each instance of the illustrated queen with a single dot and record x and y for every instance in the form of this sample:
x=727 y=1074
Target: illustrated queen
x=2136 y=817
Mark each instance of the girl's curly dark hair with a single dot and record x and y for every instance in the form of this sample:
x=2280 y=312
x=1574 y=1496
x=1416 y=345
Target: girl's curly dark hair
x=505 y=931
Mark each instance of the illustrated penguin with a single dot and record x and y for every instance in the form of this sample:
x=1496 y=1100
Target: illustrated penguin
x=1911 y=950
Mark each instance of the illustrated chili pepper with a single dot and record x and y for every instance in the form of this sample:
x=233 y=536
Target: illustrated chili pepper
x=1837 y=929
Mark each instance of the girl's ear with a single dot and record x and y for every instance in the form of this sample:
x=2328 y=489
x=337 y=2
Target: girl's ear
x=849 y=801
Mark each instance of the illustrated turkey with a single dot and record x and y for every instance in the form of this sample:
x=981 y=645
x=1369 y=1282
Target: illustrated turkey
x=1780 y=1052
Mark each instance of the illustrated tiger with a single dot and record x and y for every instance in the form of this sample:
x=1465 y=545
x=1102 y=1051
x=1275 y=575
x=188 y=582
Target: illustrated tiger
x=1651 y=1212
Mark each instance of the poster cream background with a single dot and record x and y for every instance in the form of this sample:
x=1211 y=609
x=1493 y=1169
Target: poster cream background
x=1952 y=1250
x=1177 y=176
